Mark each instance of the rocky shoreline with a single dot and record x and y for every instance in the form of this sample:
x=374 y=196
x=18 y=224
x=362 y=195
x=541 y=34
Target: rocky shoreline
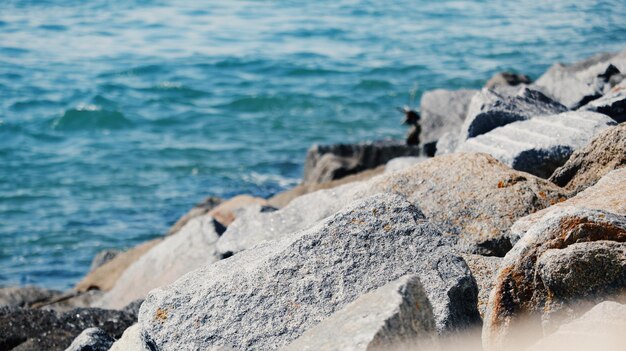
x=505 y=229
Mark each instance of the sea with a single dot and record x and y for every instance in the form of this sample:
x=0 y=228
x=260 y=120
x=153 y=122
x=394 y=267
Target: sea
x=117 y=116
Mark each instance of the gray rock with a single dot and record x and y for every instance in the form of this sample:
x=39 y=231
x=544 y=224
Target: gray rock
x=92 y=339
x=192 y=247
x=328 y=162
x=484 y=269
x=542 y=144
x=25 y=296
x=606 y=152
x=443 y=111
x=612 y=104
x=601 y=328
x=103 y=257
x=489 y=110
x=200 y=209
x=35 y=329
x=577 y=84
x=520 y=295
x=448 y=143
x=508 y=79
x=395 y=315
x=267 y=296
x=131 y=340
x=470 y=196
x=401 y=163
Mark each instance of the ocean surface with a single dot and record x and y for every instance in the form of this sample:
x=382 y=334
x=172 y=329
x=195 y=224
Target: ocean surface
x=117 y=116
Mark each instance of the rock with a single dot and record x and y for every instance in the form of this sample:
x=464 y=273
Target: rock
x=484 y=269
x=489 y=110
x=396 y=315
x=192 y=247
x=601 y=328
x=443 y=111
x=104 y=277
x=268 y=296
x=131 y=340
x=507 y=79
x=606 y=152
x=91 y=339
x=401 y=163
x=577 y=84
x=541 y=144
x=71 y=300
x=26 y=296
x=612 y=104
x=35 y=329
x=282 y=199
x=447 y=144
x=225 y=212
x=329 y=162
x=580 y=253
x=103 y=257
x=198 y=210
x=470 y=196
x=608 y=194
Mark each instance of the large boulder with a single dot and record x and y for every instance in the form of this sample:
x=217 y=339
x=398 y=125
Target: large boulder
x=401 y=163
x=35 y=329
x=572 y=255
x=92 y=339
x=606 y=152
x=396 y=315
x=489 y=110
x=26 y=296
x=226 y=211
x=443 y=111
x=507 y=79
x=198 y=210
x=132 y=340
x=612 y=104
x=470 y=196
x=267 y=296
x=329 y=162
x=542 y=144
x=576 y=84
x=192 y=247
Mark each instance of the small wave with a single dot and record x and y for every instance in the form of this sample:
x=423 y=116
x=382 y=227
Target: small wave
x=90 y=117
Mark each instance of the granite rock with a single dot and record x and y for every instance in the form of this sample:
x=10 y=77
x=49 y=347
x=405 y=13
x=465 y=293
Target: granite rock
x=443 y=111
x=484 y=269
x=509 y=79
x=103 y=257
x=226 y=211
x=92 y=339
x=401 y=163
x=26 y=296
x=395 y=315
x=613 y=104
x=541 y=144
x=198 y=210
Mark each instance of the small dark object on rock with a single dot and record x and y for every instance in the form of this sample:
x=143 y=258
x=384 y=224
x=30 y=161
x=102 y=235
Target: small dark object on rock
x=411 y=117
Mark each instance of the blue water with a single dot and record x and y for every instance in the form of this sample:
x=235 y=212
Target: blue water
x=117 y=116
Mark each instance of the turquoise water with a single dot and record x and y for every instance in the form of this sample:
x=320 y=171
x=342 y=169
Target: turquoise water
x=117 y=116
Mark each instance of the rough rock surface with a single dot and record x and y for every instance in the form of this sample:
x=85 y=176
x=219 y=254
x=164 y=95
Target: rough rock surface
x=542 y=144
x=447 y=144
x=198 y=210
x=484 y=269
x=267 y=296
x=103 y=257
x=395 y=315
x=489 y=110
x=92 y=339
x=576 y=84
x=601 y=328
x=25 y=296
x=443 y=111
x=472 y=196
x=131 y=340
x=547 y=251
x=328 y=162
x=608 y=194
x=606 y=152
x=507 y=79
x=401 y=163
x=192 y=247
x=612 y=104
x=35 y=329
x=104 y=277
x=226 y=212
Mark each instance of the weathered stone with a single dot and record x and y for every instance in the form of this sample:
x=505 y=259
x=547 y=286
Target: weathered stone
x=612 y=104
x=131 y=340
x=25 y=296
x=448 y=143
x=507 y=79
x=104 y=277
x=225 y=212
x=103 y=257
x=489 y=110
x=443 y=111
x=328 y=162
x=92 y=339
x=35 y=329
x=401 y=163
x=589 y=266
x=395 y=315
x=606 y=152
x=601 y=328
x=192 y=247
x=576 y=84
x=198 y=210
x=484 y=269
x=472 y=196
x=267 y=296
x=608 y=194
x=541 y=144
